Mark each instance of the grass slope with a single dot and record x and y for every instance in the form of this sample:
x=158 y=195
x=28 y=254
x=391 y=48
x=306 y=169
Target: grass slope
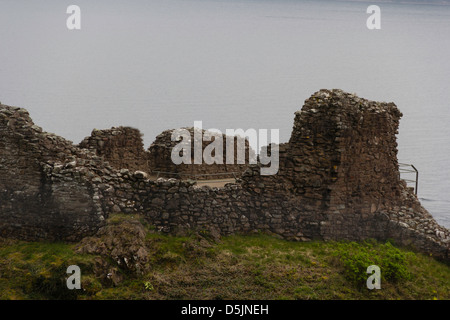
x=236 y=267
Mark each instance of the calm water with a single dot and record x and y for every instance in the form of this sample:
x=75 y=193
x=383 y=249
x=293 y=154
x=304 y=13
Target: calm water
x=157 y=65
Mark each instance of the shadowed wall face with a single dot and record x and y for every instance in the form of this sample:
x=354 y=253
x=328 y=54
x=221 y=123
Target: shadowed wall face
x=35 y=202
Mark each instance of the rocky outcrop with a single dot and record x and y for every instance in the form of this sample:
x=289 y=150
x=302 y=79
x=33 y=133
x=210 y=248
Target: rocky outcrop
x=338 y=179
x=124 y=243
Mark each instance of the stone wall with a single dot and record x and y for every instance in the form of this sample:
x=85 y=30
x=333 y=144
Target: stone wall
x=40 y=195
x=338 y=179
x=121 y=147
x=160 y=153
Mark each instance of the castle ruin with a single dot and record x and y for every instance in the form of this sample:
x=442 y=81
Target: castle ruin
x=338 y=179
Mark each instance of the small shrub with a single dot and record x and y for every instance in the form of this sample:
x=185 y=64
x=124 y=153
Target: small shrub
x=148 y=286
x=356 y=257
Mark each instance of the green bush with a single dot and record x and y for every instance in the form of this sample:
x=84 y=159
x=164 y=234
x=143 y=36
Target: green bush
x=356 y=257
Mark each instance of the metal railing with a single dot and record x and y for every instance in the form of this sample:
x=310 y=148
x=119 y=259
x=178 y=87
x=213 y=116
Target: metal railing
x=408 y=169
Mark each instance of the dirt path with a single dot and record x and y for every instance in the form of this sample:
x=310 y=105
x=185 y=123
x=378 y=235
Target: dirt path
x=211 y=183
x=215 y=183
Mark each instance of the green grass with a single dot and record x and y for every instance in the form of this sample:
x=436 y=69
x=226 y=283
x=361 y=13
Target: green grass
x=237 y=267
x=36 y=270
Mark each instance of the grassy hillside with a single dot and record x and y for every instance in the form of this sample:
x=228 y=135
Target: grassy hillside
x=235 y=267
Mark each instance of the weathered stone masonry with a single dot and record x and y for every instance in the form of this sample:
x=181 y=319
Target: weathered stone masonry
x=160 y=153
x=41 y=195
x=121 y=147
x=338 y=179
